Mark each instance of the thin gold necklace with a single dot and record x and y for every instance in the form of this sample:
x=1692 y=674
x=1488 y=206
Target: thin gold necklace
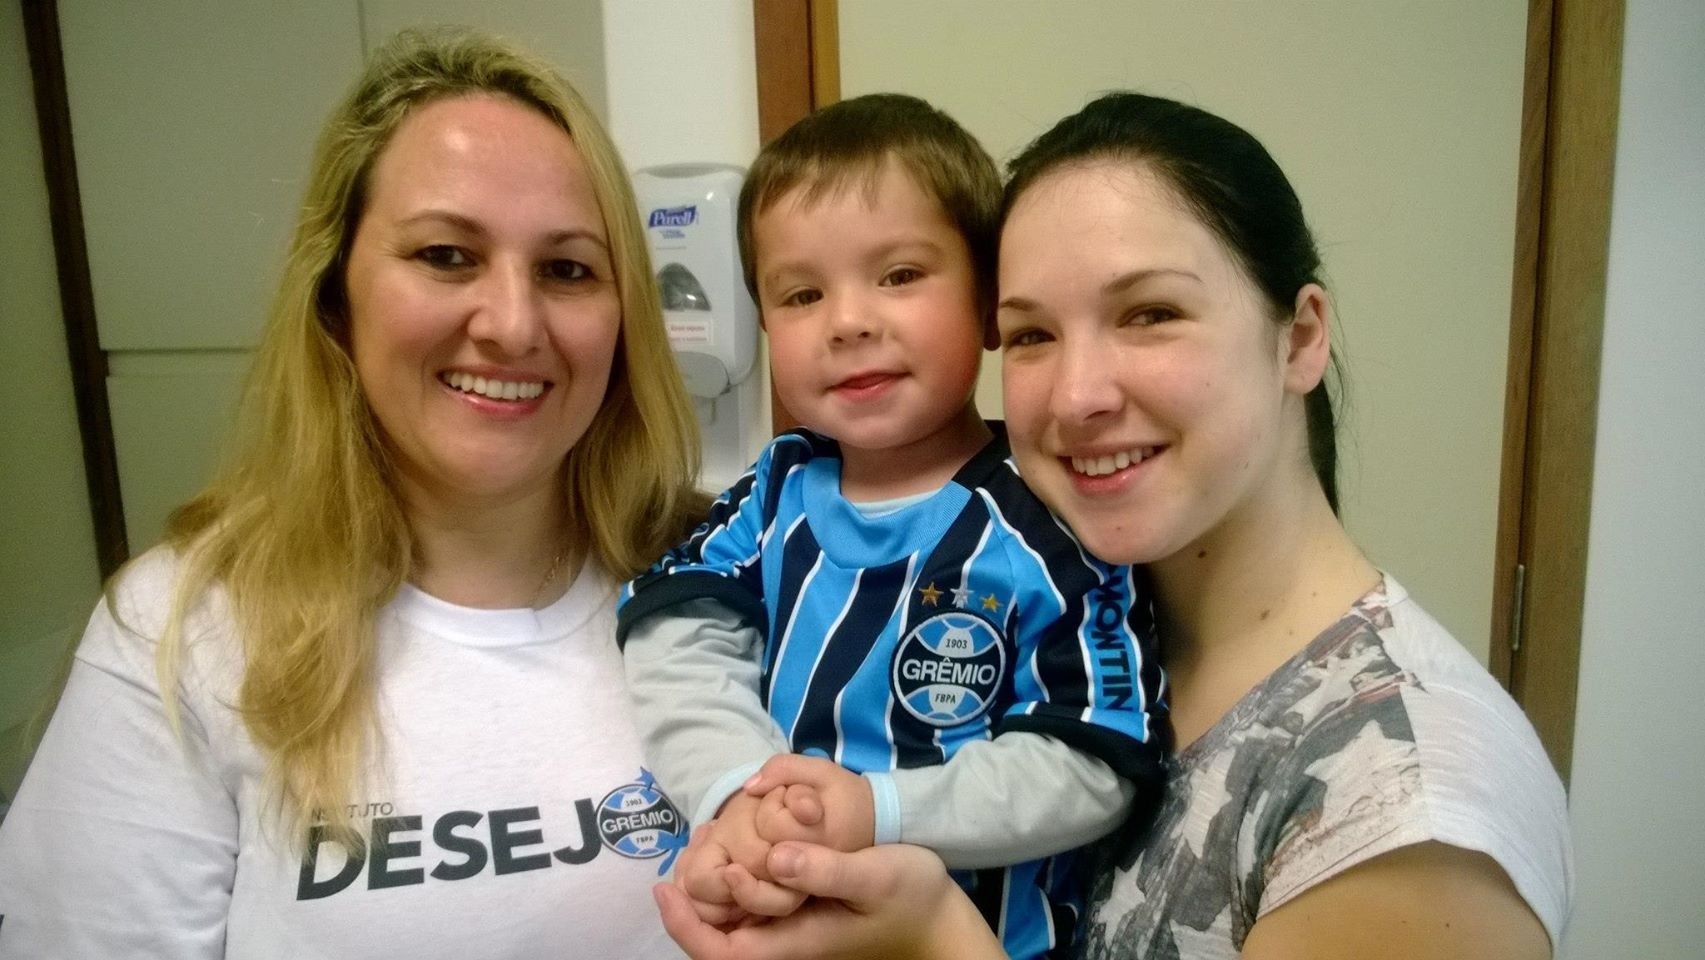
x=550 y=575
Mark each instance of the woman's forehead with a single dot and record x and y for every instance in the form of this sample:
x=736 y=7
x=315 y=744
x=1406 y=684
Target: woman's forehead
x=1120 y=216
x=480 y=139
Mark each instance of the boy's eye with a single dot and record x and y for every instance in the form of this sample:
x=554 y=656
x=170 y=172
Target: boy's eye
x=801 y=298
x=566 y=271
x=444 y=256
x=900 y=276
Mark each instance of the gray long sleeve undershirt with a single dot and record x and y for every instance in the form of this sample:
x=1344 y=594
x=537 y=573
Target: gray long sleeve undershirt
x=694 y=675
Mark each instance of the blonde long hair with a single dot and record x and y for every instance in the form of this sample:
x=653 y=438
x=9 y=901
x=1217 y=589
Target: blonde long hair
x=303 y=527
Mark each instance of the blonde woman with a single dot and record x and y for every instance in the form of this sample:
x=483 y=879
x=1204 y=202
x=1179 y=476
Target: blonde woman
x=365 y=701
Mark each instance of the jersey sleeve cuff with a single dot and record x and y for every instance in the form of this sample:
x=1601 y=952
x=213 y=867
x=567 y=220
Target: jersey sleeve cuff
x=885 y=799
x=721 y=789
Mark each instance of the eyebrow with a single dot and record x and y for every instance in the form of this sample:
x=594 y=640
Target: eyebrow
x=886 y=250
x=470 y=225
x=1117 y=285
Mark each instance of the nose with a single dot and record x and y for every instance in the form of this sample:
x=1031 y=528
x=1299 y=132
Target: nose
x=1086 y=385
x=849 y=319
x=508 y=310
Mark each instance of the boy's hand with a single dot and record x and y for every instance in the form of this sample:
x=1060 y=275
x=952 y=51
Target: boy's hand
x=730 y=838
x=813 y=800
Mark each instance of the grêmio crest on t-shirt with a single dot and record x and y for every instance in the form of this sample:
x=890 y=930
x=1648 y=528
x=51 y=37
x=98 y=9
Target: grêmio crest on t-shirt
x=404 y=848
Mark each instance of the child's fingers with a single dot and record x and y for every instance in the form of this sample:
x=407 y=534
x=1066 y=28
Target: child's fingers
x=744 y=841
x=721 y=915
x=789 y=768
x=701 y=877
x=760 y=897
x=805 y=804
x=775 y=823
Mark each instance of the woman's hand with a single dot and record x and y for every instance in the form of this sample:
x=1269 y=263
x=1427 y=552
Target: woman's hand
x=891 y=901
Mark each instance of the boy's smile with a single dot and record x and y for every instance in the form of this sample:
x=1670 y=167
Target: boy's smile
x=867 y=386
x=870 y=301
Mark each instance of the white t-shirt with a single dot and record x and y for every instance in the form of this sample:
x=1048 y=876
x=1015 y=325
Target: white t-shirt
x=507 y=815
x=1383 y=732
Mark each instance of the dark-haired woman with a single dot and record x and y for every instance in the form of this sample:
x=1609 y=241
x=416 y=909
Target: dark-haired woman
x=1350 y=782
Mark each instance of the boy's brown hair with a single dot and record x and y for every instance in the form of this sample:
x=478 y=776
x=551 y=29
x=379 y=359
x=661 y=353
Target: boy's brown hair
x=850 y=141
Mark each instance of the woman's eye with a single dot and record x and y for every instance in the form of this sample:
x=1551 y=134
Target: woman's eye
x=444 y=256
x=801 y=298
x=900 y=276
x=1150 y=315
x=566 y=271
x=1024 y=338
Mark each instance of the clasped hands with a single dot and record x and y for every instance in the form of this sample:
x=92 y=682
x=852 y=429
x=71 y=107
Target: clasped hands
x=723 y=871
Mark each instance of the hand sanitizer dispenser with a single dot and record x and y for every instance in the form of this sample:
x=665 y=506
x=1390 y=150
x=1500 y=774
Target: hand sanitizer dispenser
x=689 y=213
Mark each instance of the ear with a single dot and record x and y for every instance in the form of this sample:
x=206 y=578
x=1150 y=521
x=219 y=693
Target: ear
x=1306 y=346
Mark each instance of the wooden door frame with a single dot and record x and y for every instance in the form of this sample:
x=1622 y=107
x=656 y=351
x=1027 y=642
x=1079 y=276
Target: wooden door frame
x=1570 y=103
x=1571 y=89
x=799 y=69
x=88 y=362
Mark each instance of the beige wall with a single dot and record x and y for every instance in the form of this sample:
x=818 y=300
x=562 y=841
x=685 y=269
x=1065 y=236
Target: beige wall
x=49 y=577
x=1635 y=797
x=1398 y=124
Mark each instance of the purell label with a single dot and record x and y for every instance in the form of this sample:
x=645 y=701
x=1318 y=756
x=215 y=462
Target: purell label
x=674 y=216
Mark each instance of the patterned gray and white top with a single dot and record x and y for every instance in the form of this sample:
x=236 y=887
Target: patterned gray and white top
x=1382 y=733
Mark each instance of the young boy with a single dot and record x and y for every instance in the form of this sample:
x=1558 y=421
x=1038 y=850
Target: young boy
x=881 y=589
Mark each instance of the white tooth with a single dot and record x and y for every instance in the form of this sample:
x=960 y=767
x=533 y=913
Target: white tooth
x=479 y=385
x=1121 y=461
x=1104 y=465
x=511 y=391
x=455 y=379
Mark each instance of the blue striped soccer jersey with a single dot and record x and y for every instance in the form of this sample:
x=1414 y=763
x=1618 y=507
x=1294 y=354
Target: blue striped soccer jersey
x=893 y=641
